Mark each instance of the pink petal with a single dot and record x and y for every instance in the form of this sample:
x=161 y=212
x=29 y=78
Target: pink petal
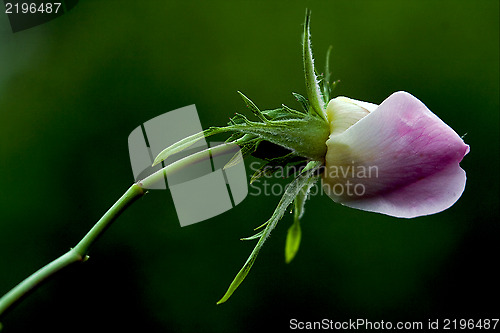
x=399 y=160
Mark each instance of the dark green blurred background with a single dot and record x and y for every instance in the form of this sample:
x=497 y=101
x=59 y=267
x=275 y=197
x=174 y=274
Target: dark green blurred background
x=73 y=89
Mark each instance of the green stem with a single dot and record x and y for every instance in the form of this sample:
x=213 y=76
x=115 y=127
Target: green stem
x=130 y=196
x=79 y=252
x=76 y=254
x=35 y=279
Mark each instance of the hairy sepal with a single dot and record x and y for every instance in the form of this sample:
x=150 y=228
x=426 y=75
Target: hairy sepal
x=291 y=192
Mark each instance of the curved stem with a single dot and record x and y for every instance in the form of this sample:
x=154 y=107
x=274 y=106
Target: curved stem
x=76 y=254
x=35 y=279
x=130 y=196
x=79 y=252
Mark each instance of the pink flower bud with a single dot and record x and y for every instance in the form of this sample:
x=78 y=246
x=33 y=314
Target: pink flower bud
x=397 y=158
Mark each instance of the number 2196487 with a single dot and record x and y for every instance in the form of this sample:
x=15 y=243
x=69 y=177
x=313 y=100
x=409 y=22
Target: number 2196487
x=455 y=324
x=32 y=8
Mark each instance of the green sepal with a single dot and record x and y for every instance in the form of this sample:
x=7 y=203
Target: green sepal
x=305 y=137
x=263 y=171
x=302 y=100
x=248 y=146
x=278 y=164
x=300 y=133
x=293 y=238
x=292 y=190
x=313 y=89
x=256 y=111
x=187 y=142
x=326 y=87
x=257 y=235
x=294 y=233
